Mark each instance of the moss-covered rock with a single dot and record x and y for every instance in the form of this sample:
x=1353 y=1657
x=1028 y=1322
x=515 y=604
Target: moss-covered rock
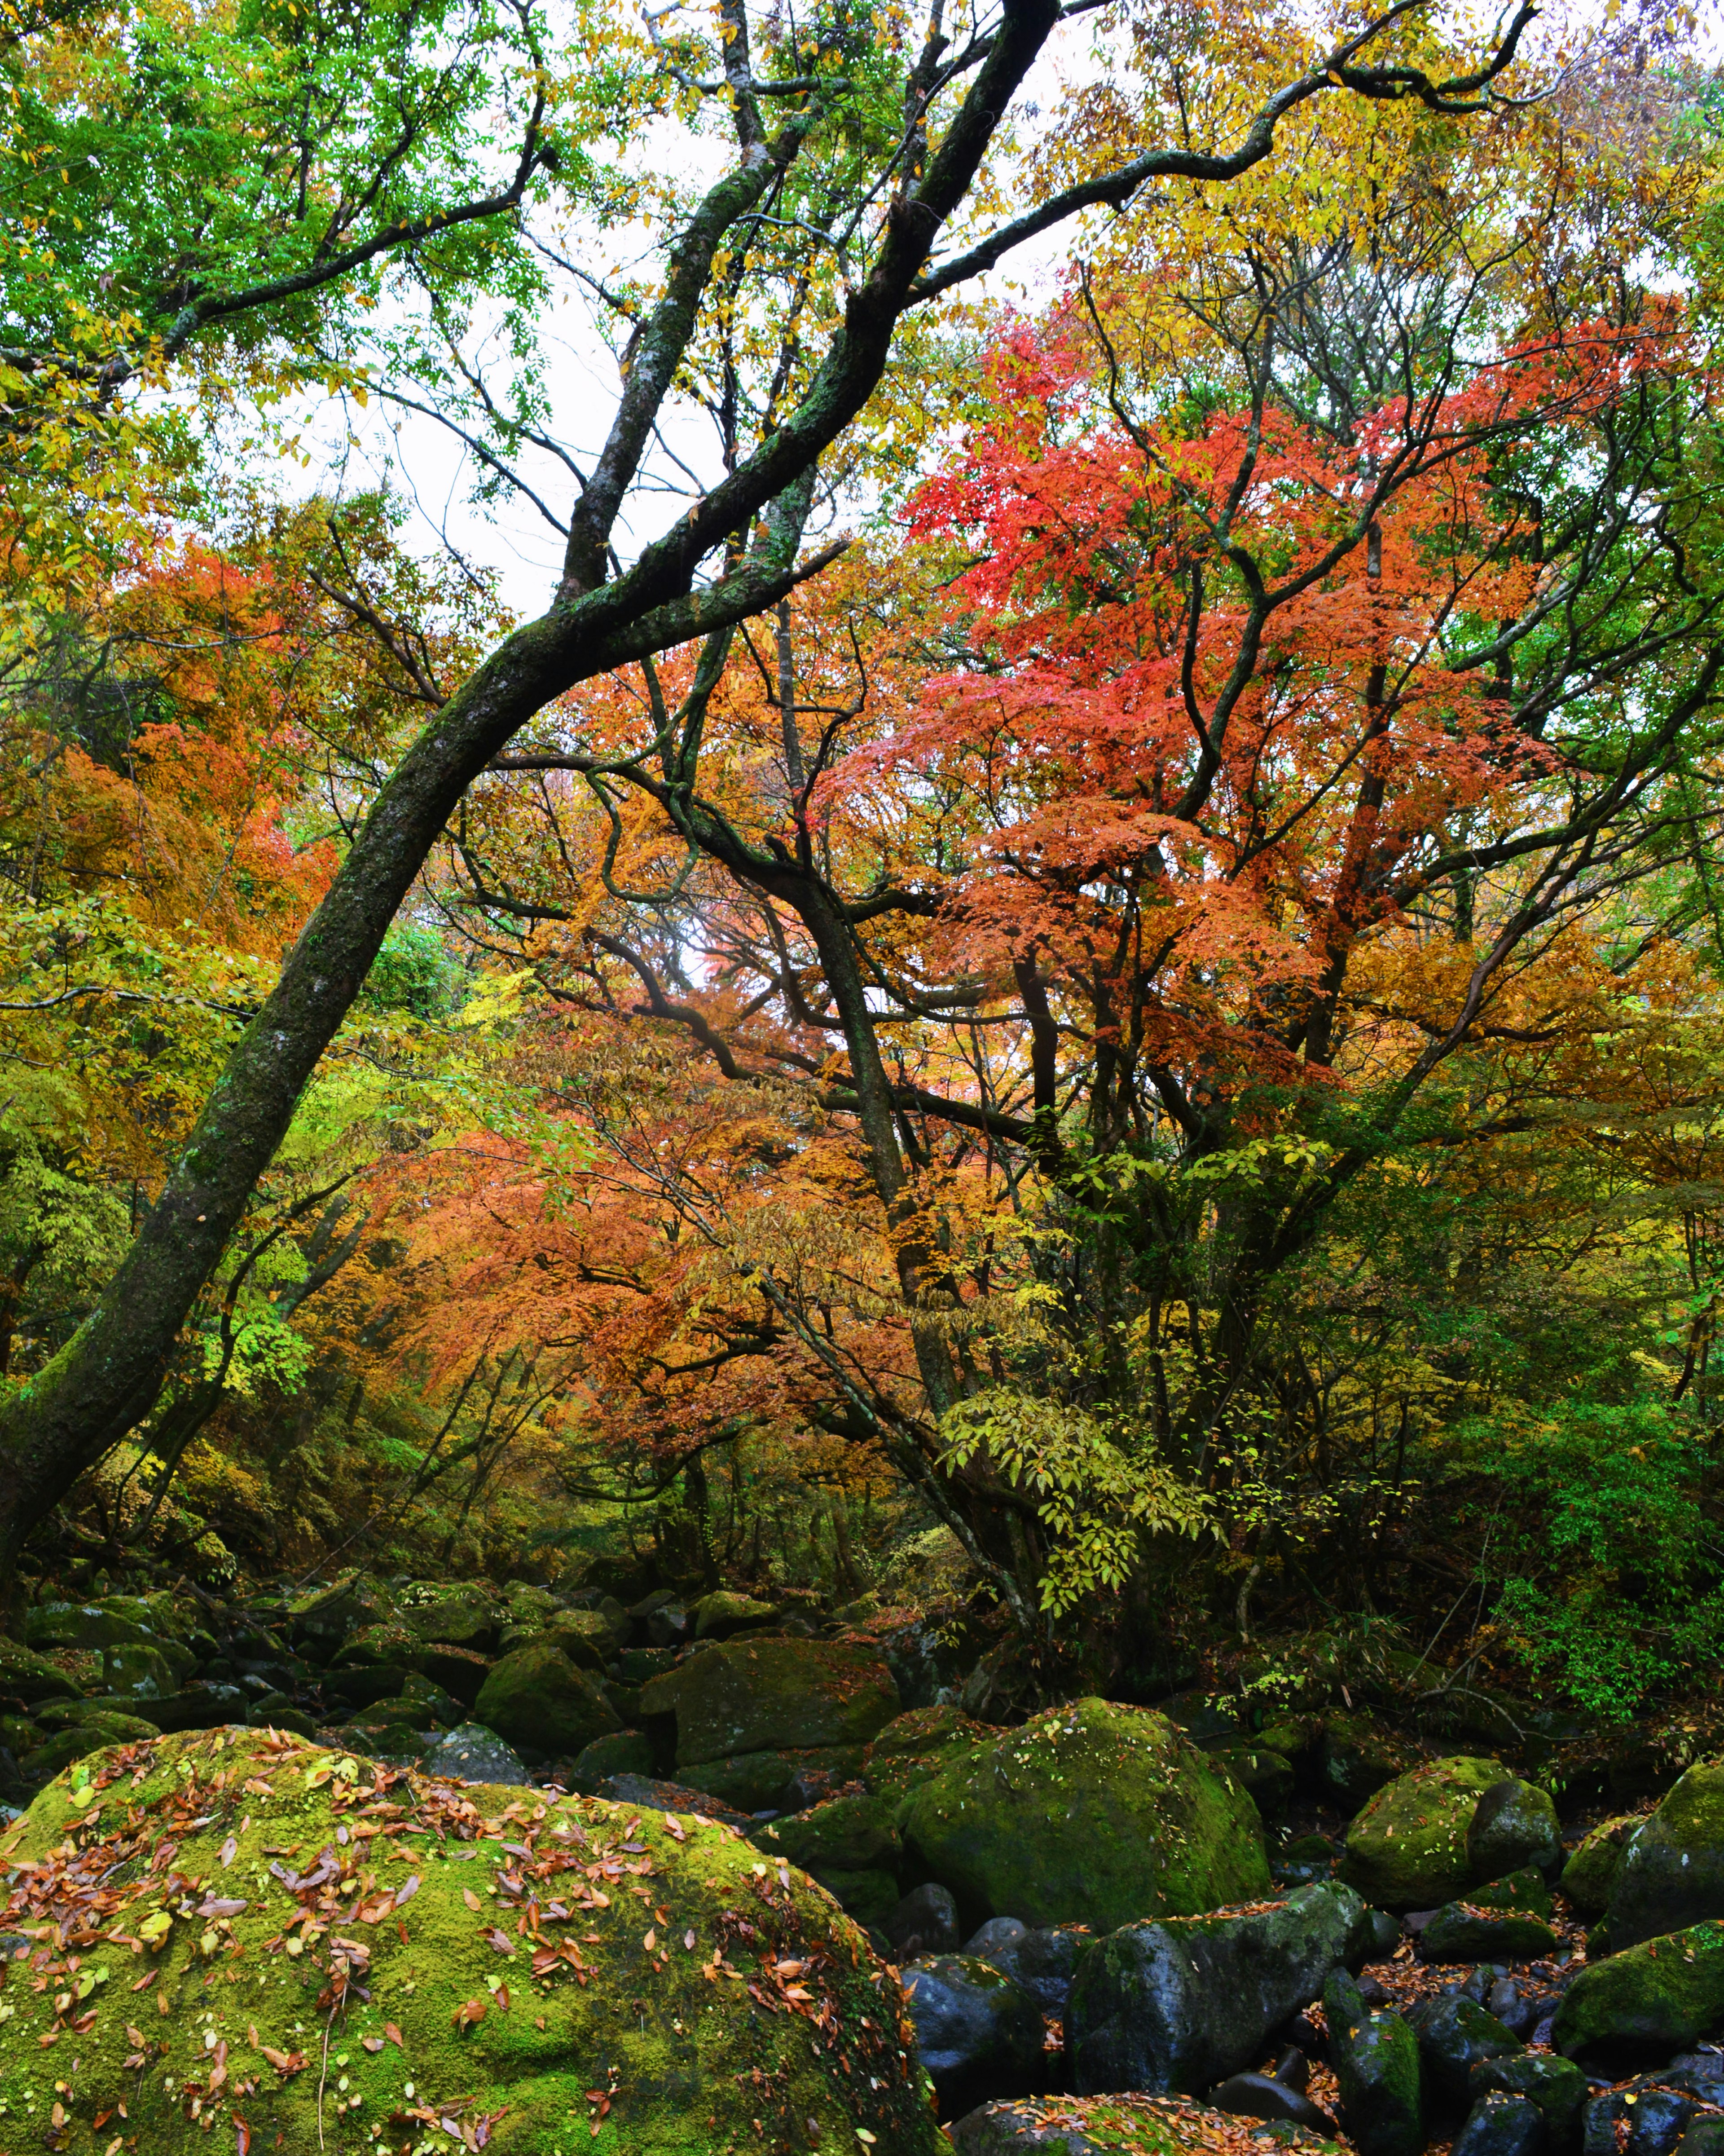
x=1514 y=1825
x=695 y=1989
x=466 y=1618
x=723 y=1612
x=461 y=1670
x=587 y=1636
x=1407 y=1848
x=1375 y=2055
x=1359 y=1757
x=90 y=1733
x=621 y=1752
x=845 y=1834
x=1121 y=2126
x=322 y=1619
x=31 y=1677
x=1092 y=1813
x=536 y=1700
x=1455 y=2036
x=1178 y=2003
x=1671 y=1872
x=114 y=1620
x=1663 y=1993
x=773 y=1694
x=1557 y=2087
x=1267 y=1775
x=1588 y=1874
x=756 y=1781
x=1518 y=1889
x=1462 y=1930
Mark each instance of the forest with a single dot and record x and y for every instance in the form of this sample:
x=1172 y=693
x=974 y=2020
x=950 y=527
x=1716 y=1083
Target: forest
x=862 y=1003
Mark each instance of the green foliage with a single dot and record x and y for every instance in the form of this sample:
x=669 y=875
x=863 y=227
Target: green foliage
x=415 y=972
x=1602 y=1547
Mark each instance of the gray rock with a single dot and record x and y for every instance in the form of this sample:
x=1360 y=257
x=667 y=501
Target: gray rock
x=926 y=1923
x=1705 y=2136
x=1556 y=2086
x=1262 y=2096
x=1375 y=2055
x=997 y=1933
x=1643 y=2120
x=1043 y=1959
x=1179 y=2003
x=1501 y=2126
x=1456 y=2034
x=979 y=2034
x=473 y=1753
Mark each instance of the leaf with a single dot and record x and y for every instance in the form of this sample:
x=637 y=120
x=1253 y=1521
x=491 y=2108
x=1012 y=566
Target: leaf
x=230 y=1849
x=394 y=2034
x=470 y=2013
x=406 y=1891
x=471 y=1899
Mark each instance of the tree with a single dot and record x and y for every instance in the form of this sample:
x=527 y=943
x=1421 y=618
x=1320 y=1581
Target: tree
x=888 y=141
x=1334 y=640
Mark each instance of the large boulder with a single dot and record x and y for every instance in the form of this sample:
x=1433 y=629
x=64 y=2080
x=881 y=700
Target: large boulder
x=760 y=1781
x=1665 y=1992
x=1670 y=1872
x=1043 y=1959
x=536 y=1700
x=322 y=1618
x=1407 y=1848
x=1514 y=1825
x=1092 y=1813
x=1460 y=1930
x=1178 y=2002
x=1557 y=2086
x=1455 y=2036
x=749 y=2014
x=773 y=1694
x=979 y=2033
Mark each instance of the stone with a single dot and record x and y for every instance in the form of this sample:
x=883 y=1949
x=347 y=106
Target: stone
x=1651 y=1998
x=27 y=1675
x=1455 y=2033
x=427 y=1705
x=668 y=1625
x=760 y=1781
x=1261 y=2096
x=536 y=1700
x=586 y=1637
x=773 y=1694
x=1670 y=1873
x=666 y=1797
x=195 y=1706
x=1356 y=1758
x=718 y=1615
x=925 y=1921
x=93 y=1733
x=461 y=1670
x=845 y=1834
x=1118 y=2125
x=1557 y=2087
x=1091 y=1812
x=1267 y=1776
x=1407 y=1848
x=1375 y=2056
x=116 y=1621
x=1461 y=1931
x=1305 y=1859
x=1643 y=2120
x=1043 y=1958
x=979 y=2034
x=1520 y=1890
x=1501 y=2125
x=322 y=1619
x=139 y=1669
x=1514 y=1825
x=696 y=2071
x=639 y=1665
x=869 y=1896
x=455 y=1621
x=1519 y=2014
x=1178 y=2003
x=1704 y=2136
x=1587 y=1877
x=472 y=1753
x=620 y=1751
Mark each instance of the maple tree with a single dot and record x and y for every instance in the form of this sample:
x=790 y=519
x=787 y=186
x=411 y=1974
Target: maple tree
x=1330 y=645
x=848 y=151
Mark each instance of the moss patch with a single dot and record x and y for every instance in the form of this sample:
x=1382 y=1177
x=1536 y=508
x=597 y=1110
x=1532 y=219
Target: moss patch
x=1656 y=1996
x=1588 y=1874
x=237 y=1926
x=1092 y=1813
x=1407 y=1848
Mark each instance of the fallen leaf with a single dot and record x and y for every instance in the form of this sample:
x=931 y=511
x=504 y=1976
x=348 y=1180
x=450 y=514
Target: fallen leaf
x=651 y=1941
x=405 y=1892
x=471 y=2012
x=394 y=2034
x=230 y=1849
x=373 y=2043
x=470 y=1898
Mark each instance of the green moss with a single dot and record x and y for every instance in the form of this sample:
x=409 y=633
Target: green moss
x=772 y=1694
x=1462 y=1930
x=537 y=1699
x=1664 y=1993
x=1121 y=2126
x=146 y=1874
x=755 y=1781
x=1093 y=1814
x=1671 y=1872
x=1521 y=1890
x=1588 y=1874
x=1407 y=1848
x=1375 y=2056
x=845 y=1834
